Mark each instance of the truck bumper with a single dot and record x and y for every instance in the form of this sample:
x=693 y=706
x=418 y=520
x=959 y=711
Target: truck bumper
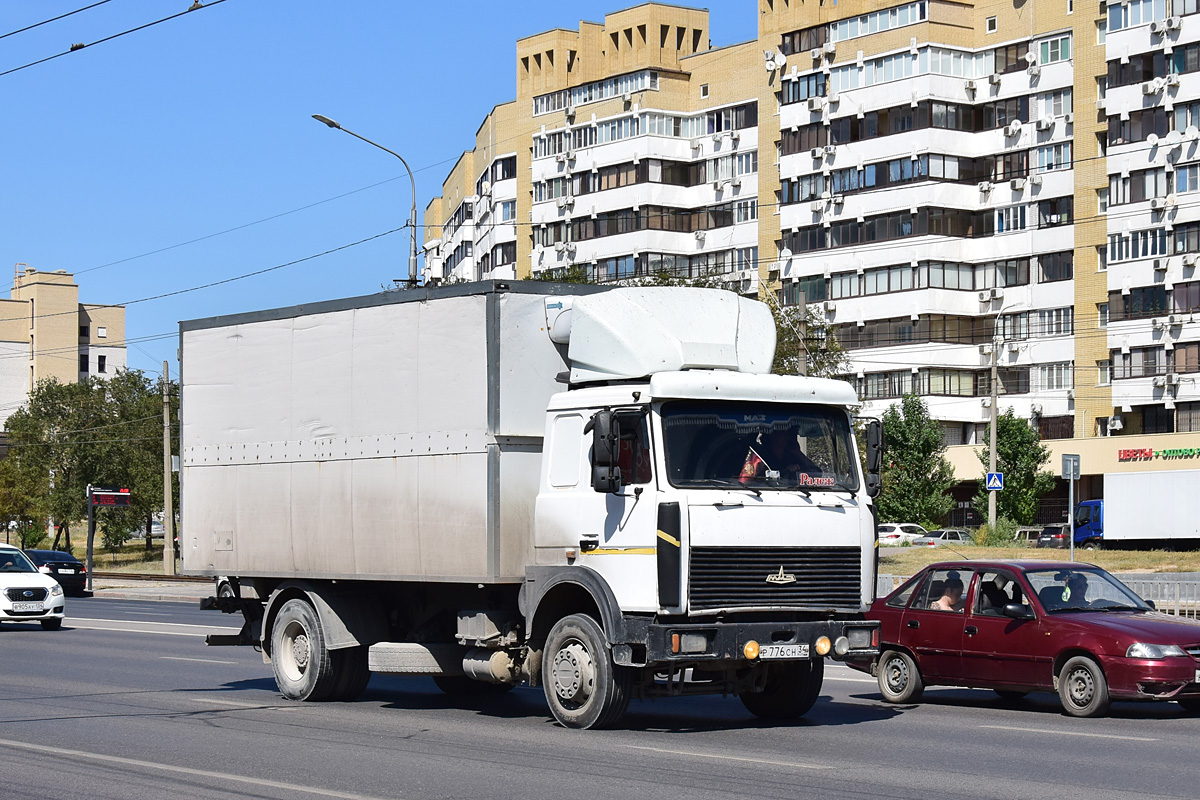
x=696 y=642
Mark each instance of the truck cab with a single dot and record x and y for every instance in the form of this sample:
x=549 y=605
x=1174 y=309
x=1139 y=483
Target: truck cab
x=1089 y=524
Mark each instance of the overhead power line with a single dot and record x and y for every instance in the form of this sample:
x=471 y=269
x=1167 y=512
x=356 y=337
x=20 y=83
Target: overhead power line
x=196 y=6
x=52 y=19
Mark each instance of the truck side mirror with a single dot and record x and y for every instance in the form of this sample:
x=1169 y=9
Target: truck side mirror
x=874 y=457
x=606 y=449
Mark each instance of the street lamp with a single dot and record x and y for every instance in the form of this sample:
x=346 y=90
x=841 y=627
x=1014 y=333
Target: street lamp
x=997 y=342
x=412 y=256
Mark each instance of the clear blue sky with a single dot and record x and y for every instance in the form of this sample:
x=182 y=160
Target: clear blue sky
x=200 y=125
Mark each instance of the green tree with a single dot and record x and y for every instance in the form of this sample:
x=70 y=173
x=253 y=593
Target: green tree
x=916 y=475
x=1020 y=455
x=802 y=336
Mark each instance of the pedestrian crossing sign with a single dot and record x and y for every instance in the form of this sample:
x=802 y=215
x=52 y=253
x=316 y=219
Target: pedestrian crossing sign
x=995 y=481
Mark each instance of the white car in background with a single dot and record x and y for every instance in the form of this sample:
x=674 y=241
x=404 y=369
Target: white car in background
x=894 y=534
x=27 y=595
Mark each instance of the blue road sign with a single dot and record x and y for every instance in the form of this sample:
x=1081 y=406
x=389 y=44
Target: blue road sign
x=995 y=481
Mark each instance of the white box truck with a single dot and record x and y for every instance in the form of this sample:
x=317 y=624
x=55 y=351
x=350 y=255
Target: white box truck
x=1142 y=509
x=598 y=491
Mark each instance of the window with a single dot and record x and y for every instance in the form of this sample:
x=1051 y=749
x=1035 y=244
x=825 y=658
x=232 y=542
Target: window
x=1187 y=357
x=101 y=332
x=1054 y=157
x=1102 y=200
x=83 y=362
x=991 y=25
x=1185 y=297
x=1057 y=49
x=1056 y=267
x=1055 y=376
x=1187 y=179
x=101 y=364
x=703 y=91
x=83 y=332
x=1055 y=104
x=876 y=21
x=1102 y=315
x=1101 y=31
x=747 y=163
x=564 y=450
x=508 y=210
x=1070 y=6
x=1139 y=362
x=1056 y=322
x=1135 y=12
x=943 y=591
x=1187 y=417
x=1010 y=219
x=1104 y=372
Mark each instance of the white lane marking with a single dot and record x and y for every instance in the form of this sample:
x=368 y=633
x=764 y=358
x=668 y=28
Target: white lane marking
x=71 y=624
x=728 y=758
x=201 y=660
x=1070 y=733
x=87 y=623
x=152 y=622
x=201 y=773
x=850 y=680
x=234 y=703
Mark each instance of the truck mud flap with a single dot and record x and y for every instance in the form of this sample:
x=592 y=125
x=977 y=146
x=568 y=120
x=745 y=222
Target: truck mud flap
x=252 y=614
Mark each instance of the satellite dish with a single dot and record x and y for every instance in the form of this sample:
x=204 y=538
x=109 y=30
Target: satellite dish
x=1152 y=140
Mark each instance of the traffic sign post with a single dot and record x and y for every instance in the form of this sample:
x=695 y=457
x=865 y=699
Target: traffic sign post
x=1070 y=473
x=995 y=481
x=101 y=497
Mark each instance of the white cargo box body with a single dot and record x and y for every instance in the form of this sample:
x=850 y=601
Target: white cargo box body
x=392 y=437
x=1150 y=505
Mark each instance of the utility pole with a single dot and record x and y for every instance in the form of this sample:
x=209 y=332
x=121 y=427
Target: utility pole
x=996 y=341
x=168 y=507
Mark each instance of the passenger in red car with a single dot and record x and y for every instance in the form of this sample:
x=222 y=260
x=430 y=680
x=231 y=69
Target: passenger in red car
x=952 y=597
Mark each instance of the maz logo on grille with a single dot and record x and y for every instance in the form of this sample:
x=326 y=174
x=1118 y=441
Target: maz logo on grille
x=781 y=577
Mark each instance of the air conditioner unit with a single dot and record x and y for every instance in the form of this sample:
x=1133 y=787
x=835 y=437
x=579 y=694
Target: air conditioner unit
x=1115 y=423
x=1034 y=70
x=830 y=306
x=971 y=85
x=1160 y=265
x=1017 y=184
x=1172 y=23
x=570 y=247
x=994 y=79
x=717 y=184
x=830 y=48
x=1158 y=204
x=1189 y=259
x=1151 y=87
x=1158 y=27
x=1160 y=380
x=838 y=200
x=570 y=112
x=736 y=182
x=1070 y=394
x=1014 y=347
x=699 y=236
x=570 y=154
x=817 y=152
x=830 y=149
x=1035 y=180
x=716 y=137
x=627 y=97
x=985 y=186
x=734 y=135
x=1101 y=103
x=1035 y=408
x=1013 y=128
x=985 y=297
x=1172 y=379
x=816 y=103
x=696 y=144
x=560 y=246
x=817 y=205
x=815 y=53
x=1174 y=319
x=1044 y=124
x=985 y=349
x=1171 y=80
x=996 y=293
x=1069 y=118
x=561 y=157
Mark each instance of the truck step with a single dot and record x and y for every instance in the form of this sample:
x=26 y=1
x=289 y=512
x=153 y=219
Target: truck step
x=406 y=658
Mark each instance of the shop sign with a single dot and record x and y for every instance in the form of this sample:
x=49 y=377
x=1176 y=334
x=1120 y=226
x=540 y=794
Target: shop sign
x=1149 y=454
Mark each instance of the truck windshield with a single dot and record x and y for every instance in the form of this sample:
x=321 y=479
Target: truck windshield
x=758 y=446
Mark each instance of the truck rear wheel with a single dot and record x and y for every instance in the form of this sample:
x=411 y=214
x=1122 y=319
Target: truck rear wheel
x=302 y=663
x=791 y=689
x=583 y=687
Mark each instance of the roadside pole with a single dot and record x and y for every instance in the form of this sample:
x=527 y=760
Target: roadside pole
x=1070 y=473
x=168 y=508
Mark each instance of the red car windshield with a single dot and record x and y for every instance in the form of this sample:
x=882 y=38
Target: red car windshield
x=1060 y=590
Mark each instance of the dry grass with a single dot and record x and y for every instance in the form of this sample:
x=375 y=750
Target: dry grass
x=132 y=557
x=908 y=560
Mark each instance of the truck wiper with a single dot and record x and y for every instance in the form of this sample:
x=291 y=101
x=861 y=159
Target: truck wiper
x=728 y=484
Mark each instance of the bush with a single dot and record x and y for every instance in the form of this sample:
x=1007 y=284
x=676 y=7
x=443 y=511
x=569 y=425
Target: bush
x=999 y=536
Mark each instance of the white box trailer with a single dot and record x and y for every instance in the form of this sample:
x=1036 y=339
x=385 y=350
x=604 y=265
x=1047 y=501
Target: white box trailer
x=568 y=486
x=1146 y=509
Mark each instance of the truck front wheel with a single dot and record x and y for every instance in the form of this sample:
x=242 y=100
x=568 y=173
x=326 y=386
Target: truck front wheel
x=791 y=690
x=583 y=687
x=1091 y=544
x=304 y=669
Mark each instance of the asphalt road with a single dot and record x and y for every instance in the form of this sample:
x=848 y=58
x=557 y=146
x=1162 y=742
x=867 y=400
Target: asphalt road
x=126 y=702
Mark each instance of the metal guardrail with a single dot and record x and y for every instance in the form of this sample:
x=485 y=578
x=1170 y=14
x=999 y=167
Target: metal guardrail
x=1178 y=597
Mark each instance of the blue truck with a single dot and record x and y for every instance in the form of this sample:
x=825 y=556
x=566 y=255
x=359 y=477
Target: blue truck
x=1142 y=510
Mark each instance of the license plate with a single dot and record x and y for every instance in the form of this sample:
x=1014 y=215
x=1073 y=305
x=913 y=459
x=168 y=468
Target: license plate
x=782 y=652
x=67 y=571
x=27 y=607
x=1198 y=676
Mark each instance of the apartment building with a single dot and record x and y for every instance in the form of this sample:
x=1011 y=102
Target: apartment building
x=45 y=332
x=951 y=185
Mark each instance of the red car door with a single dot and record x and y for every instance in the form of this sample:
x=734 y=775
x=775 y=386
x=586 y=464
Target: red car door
x=998 y=650
x=932 y=626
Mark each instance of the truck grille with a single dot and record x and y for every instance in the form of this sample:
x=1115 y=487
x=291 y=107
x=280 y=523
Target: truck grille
x=17 y=594
x=737 y=577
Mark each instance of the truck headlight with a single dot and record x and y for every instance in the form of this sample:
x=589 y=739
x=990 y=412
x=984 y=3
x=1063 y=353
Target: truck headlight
x=1154 y=651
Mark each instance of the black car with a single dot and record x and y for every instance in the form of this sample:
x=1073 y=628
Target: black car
x=1056 y=536
x=65 y=568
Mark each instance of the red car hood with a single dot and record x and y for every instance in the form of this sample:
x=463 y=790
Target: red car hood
x=1152 y=627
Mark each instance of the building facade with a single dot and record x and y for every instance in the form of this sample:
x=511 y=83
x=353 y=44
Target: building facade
x=956 y=187
x=45 y=332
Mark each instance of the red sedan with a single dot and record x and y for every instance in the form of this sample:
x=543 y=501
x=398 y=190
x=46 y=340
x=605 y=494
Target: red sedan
x=1024 y=626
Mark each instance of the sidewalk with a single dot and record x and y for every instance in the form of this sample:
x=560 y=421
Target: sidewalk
x=164 y=590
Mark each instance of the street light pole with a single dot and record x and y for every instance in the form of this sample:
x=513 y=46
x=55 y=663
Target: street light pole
x=412 y=256
x=996 y=341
